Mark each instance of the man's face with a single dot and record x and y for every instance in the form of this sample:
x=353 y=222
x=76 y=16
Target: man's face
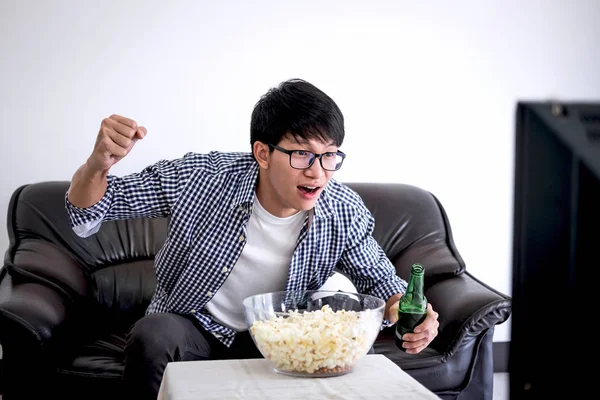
x=283 y=190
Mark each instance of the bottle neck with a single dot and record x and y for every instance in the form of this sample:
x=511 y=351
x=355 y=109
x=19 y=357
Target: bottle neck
x=414 y=296
x=415 y=285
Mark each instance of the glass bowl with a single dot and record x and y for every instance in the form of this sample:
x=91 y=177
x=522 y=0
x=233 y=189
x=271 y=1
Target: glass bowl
x=313 y=333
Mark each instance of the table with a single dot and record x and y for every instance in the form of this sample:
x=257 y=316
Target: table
x=374 y=377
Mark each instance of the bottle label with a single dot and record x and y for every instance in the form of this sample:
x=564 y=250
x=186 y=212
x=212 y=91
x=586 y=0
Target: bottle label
x=408 y=321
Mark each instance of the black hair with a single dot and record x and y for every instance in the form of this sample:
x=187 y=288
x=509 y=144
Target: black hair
x=298 y=108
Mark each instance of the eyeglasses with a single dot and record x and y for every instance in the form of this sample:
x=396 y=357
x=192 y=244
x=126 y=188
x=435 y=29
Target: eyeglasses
x=304 y=159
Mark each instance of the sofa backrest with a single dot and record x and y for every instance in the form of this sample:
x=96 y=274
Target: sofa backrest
x=114 y=267
x=411 y=226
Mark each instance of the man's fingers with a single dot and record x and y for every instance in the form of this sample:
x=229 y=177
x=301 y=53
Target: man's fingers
x=116 y=137
x=135 y=139
x=141 y=132
x=416 y=336
x=424 y=333
x=430 y=311
x=121 y=140
x=125 y=121
x=114 y=149
x=430 y=321
x=415 y=350
x=121 y=129
x=415 y=343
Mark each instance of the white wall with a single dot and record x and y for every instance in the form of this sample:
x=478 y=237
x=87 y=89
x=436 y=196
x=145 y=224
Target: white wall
x=428 y=89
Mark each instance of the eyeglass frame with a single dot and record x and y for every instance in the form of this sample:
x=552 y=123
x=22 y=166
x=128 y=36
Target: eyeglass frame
x=319 y=156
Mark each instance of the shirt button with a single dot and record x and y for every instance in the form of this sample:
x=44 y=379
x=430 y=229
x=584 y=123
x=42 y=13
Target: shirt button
x=224 y=269
x=208 y=294
x=240 y=209
x=192 y=311
x=242 y=238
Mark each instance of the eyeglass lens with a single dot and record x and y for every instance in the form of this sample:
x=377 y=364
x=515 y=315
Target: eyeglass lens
x=305 y=159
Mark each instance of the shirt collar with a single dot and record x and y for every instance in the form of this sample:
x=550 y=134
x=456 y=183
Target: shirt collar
x=247 y=186
x=323 y=207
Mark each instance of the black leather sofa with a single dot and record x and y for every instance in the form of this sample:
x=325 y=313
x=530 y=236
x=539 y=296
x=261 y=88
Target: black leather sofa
x=66 y=302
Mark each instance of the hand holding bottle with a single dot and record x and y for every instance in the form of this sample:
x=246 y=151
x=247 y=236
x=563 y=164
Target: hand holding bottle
x=423 y=333
x=416 y=322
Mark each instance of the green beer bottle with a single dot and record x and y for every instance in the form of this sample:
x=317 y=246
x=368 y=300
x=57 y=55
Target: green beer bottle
x=413 y=305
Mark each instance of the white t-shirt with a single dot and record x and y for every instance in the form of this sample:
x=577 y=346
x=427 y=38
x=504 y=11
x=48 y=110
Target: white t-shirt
x=262 y=266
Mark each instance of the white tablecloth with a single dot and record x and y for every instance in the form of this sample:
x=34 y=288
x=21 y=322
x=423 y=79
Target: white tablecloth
x=374 y=377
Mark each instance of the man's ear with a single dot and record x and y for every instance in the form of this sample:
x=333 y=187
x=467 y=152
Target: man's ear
x=262 y=154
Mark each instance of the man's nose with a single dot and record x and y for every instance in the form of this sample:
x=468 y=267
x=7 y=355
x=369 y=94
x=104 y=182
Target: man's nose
x=315 y=170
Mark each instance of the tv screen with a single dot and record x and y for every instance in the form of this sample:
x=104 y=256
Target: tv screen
x=556 y=246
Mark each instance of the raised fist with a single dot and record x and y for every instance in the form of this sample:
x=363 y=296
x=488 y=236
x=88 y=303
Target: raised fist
x=116 y=138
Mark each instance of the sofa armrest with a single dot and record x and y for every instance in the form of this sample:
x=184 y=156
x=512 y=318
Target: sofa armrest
x=34 y=320
x=31 y=314
x=42 y=262
x=466 y=307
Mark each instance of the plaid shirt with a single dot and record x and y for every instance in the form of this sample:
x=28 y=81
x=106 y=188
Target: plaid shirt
x=208 y=198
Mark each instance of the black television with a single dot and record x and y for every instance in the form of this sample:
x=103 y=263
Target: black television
x=556 y=248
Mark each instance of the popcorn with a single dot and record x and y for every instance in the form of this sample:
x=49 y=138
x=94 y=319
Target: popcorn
x=321 y=341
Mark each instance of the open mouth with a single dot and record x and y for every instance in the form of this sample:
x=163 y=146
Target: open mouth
x=308 y=189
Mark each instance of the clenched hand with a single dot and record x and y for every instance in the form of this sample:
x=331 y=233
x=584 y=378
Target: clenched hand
x=116 y=138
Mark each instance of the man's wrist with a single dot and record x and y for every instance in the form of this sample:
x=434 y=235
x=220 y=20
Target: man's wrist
x=91 y=173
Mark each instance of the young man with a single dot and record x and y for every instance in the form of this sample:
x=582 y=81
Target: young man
x=240 y=224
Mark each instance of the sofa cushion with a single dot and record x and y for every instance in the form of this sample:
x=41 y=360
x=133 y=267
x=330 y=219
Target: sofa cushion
x=103 y=356
x=123 y=291
x=93 y=371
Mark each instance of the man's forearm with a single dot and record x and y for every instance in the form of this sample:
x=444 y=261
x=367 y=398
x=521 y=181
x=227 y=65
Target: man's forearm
x=87 y=187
